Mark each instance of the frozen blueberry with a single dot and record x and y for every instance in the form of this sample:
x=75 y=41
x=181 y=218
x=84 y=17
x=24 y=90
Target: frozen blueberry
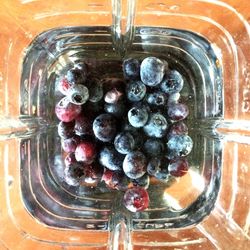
x=118 y=109
x=157 y=98
x=104 y=127
x=178 y=128
x=131 y=68
x=158 y=168
x=78 y=94
x=70 y=144
x=67 y=111
x=179 y=145
x=152 y=71
x=66 y=129
x=124 y=142
x=138 y=116
x=92 y=175
x=141 y=182
x=113 y=96
x=95 y=90
x=78 y=74
x=178 y=167
x=115 y=180
x=83 y=125
x=156 y=126
x=135 y=164
x=172 y=82
x=63 y=85
x=110 y=158
x=136 y=91
x=85 y=152
x=153 y=147
x=178 y=111
x=73 y=173
x=136 y=199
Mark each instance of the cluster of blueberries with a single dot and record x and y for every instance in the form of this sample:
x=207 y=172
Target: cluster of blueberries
x=123 y=131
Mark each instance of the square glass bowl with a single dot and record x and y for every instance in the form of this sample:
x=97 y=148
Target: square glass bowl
x=40 y=210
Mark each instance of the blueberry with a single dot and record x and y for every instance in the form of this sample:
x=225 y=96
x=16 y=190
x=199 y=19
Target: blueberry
x=138 y=116
x=131 y=68
x=157 y=98
x=179 y=145
x=70 y=159
x=178 y=128
x=134 y=164
x=178 y=111
x=110 y=158
x=67 y=111
x=92 y=175
x=83 y=125
x=85 y=152
x=172 y=82
x=78 y=94
x=66 y=129
x=69 y=145
x=113 y=83
x=118 y=109
x=152 y=71
x=78 y=74
x=115 y=180
x=95 y=90
x=153 y=147
x=178 y=167
x=141 y=182
x=73 y=173
x=173 y=98
x=104 y=127
x=156 y=126
x=124 y=143
x=136 y=199
x=63 y=85
x=158 y=168
x=136 y=91
x=113 y=96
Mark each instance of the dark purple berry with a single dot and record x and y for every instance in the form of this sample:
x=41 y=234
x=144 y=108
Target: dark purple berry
x=83 y=125
x=179 y=128
x=178 y=167
x=63 y=85
x=131 y=68
x=152 y=71
x=69 y=145
x=85 y=152
x=136 y=199
x=124 y=143
x=67 y=111
x=178 y=111
x=172 y=82
x=110 y=158
x=92 y=175
x=113 y=83
x=135 y=164
x=66 y=129
x=104 y=127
